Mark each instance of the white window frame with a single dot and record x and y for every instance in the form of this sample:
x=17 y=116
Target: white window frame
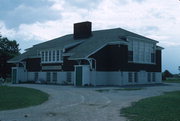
x=50 y=56
x=142 y=51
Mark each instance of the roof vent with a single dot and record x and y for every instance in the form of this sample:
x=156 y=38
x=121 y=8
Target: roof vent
x=82 y=30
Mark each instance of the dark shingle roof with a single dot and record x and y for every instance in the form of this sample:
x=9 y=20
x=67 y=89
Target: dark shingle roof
x=88 y=46
x=100 y=39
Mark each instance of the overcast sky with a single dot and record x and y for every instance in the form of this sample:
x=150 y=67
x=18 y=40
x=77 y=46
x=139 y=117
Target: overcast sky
x=33 y=21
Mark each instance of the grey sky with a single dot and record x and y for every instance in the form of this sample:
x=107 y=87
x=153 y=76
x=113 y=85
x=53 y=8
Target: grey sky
x=33 y=21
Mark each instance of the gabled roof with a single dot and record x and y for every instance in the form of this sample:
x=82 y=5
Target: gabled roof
x=87 y=47
x=102 y=38
x=55 y=43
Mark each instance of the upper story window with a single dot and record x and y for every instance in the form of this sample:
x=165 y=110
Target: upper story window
x=153 y=57
x=46 y=56
x=54 y=53
x=57 y=55
x=51 y=56
x=141 y=51
x=42 y=56
x=130 y=55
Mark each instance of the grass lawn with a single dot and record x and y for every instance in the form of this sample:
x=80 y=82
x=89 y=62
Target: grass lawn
x=20 y=97
x=160 y=108
x=119 y=89
x=172 y=80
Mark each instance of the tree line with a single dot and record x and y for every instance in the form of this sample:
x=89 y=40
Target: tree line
x=8 y=50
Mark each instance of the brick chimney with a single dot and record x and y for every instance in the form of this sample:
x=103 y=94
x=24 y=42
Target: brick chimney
x=82 y=30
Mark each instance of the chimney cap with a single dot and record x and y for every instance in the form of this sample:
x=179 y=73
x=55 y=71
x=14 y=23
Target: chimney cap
x=82 y=30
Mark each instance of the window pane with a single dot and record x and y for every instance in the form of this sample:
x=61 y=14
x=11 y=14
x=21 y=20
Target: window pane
x=42 y=56
x=153 y=77
x=130 y=55
x=57 y=55
x=135 y=77
x=48 y=76
x=49 y=55
x=61 y=57
x=46 y=56
x=54 y=55
x=35 y=76
x=130 y=77
x=149 y=76
x=152 y=57
x=54 y=76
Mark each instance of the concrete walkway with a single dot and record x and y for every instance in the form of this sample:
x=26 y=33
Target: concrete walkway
x=68 y=103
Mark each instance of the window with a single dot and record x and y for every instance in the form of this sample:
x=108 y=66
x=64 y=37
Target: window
x=153 y=77
x=130 y=55
x=49 y=55
x=149 y=76
x=36 y=76
x=54 y=54
x=140 y=51
x=48 y=76
x=38 y=54
x=69 y=77
x=130 y=77
x=54 y=77
x=46 y=56
x=136 y=77
x=152 y=57
x=57 y=55
x=42 y=57
x=61 y=57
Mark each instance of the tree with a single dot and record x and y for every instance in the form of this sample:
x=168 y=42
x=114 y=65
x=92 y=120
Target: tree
x=166 y=74
x=8 y=50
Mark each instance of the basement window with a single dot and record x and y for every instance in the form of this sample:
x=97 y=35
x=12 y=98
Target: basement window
x=48 y=76
x=36 y=76
x=130 y=77
x=153 y=77
x=54 y=77
x=136 y=77
x=149 y=76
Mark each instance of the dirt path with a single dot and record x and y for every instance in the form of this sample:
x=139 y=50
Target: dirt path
x=67 y=103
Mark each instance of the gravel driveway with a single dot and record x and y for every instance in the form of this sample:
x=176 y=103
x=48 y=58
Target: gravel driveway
x=68 y=103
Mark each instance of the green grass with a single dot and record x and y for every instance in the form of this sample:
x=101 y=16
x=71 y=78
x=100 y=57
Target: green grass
x=20 y=97
x=172 y=80
x=118 y=89
x=160 y=108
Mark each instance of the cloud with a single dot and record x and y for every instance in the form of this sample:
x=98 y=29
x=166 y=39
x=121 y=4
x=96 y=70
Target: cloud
x=6 y=32
x=31 y=21
x=26 y=12
x=55 y=18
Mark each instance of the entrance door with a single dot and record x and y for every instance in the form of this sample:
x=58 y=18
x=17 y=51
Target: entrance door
x=14 y=75
x=79 y=76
